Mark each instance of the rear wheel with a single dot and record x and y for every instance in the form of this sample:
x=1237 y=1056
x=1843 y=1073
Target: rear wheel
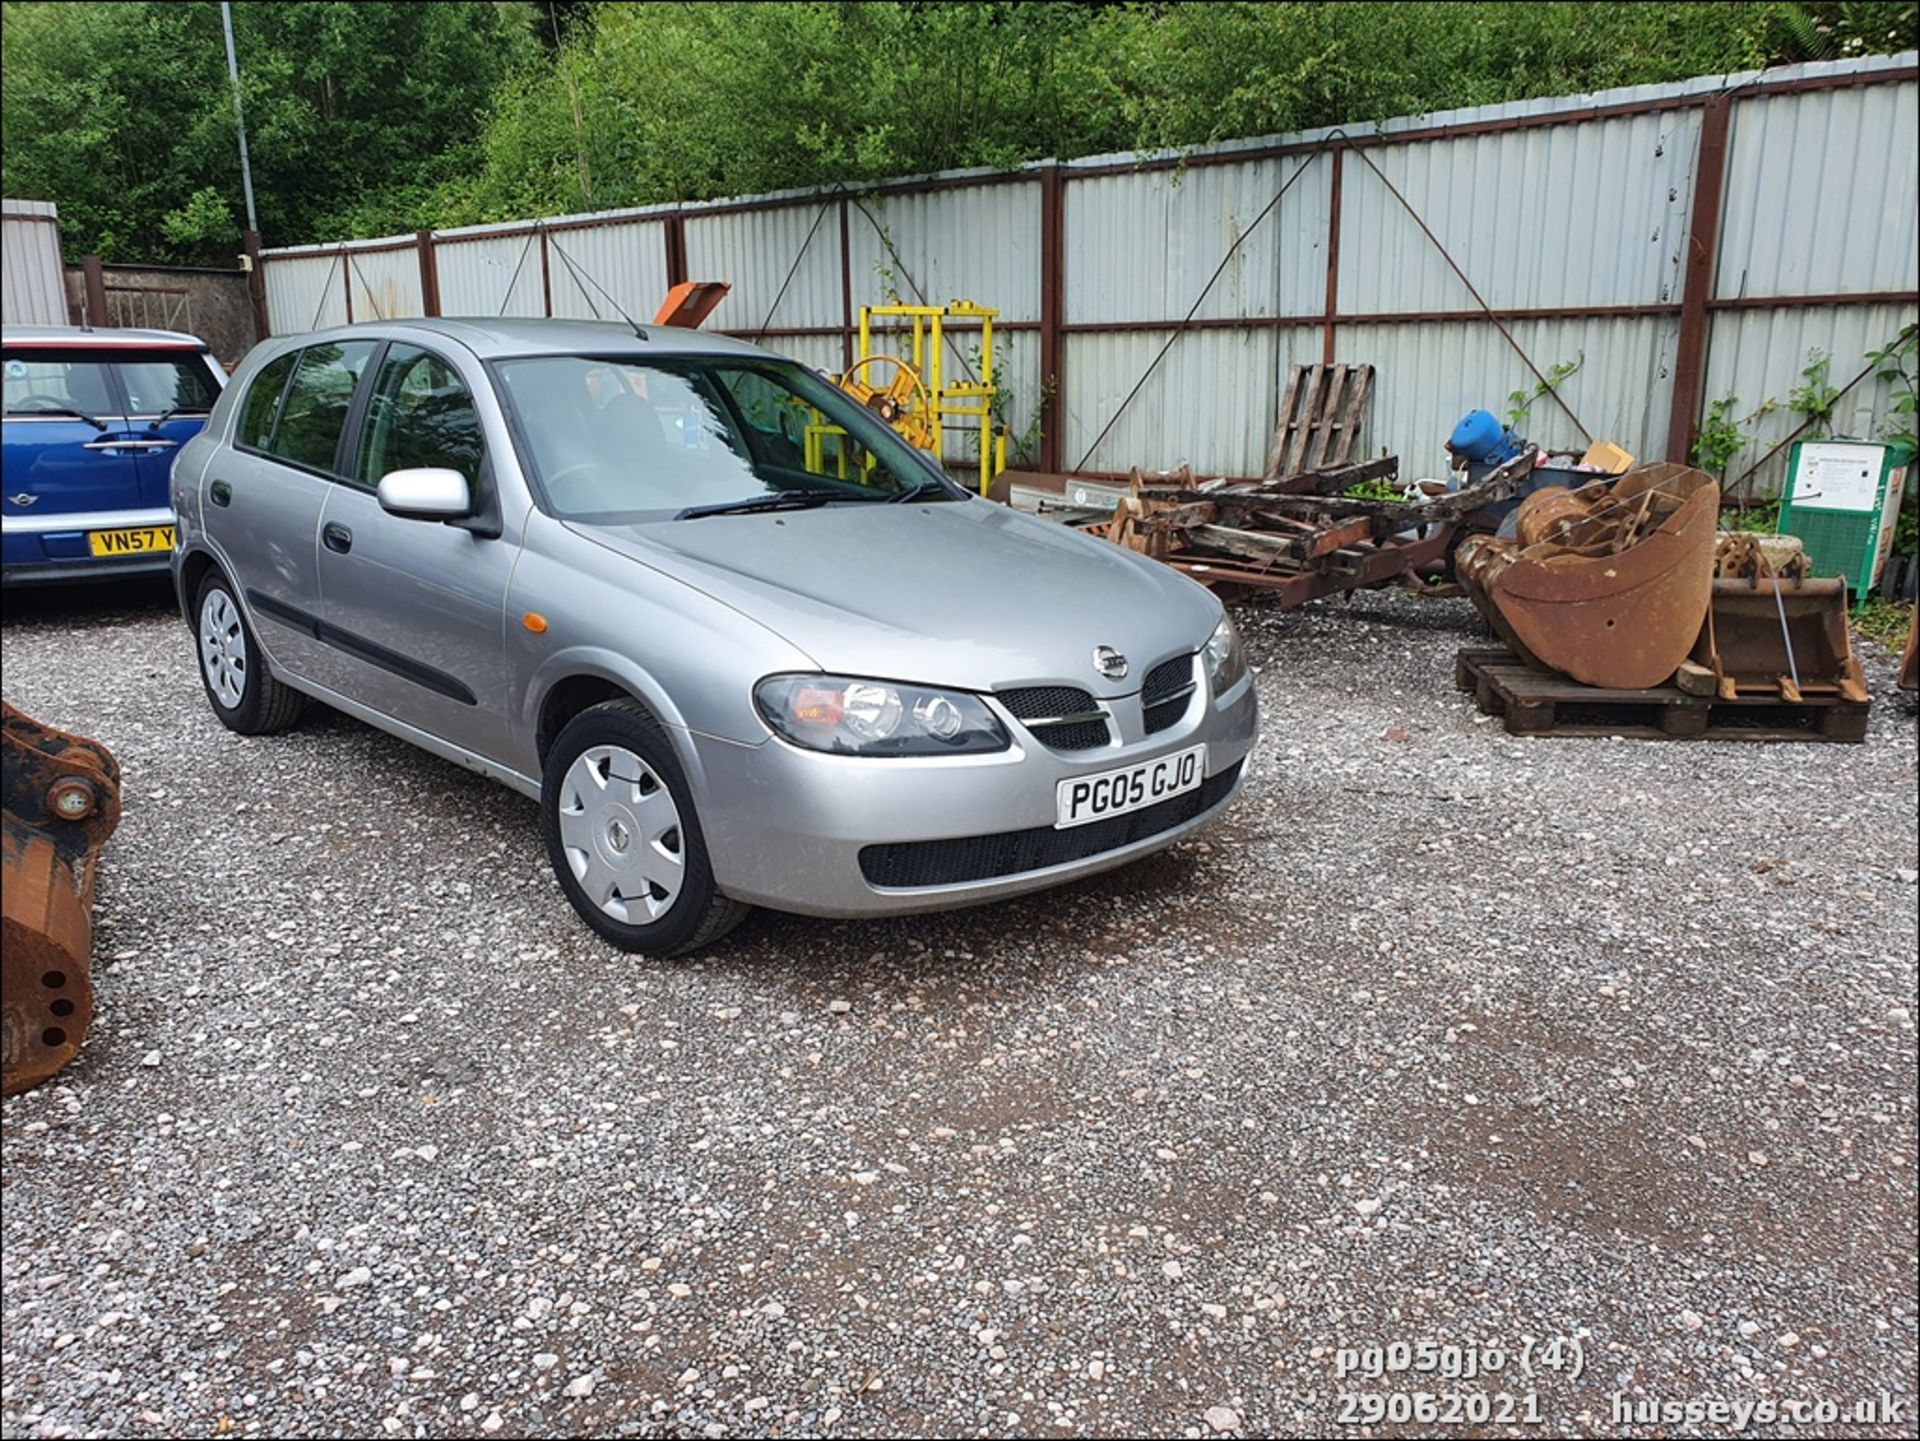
x=620 y=830
x=240 y=687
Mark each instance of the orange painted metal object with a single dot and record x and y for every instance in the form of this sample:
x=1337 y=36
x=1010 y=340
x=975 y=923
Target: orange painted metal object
x=62 y=796
x=690 y=302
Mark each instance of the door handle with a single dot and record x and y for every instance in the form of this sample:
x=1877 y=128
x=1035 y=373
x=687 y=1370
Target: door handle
x=220 y=493
x=129 y=445
x=336 y=537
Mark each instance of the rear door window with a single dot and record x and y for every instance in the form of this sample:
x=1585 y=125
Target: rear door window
x=317 y=402
x=58 y=383
x=163 y=383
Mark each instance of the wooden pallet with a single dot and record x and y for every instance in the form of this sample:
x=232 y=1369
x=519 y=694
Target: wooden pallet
x=1320 y=415
x=1533 y=702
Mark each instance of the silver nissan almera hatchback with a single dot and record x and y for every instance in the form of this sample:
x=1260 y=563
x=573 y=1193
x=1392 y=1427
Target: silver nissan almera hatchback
x=743 y=644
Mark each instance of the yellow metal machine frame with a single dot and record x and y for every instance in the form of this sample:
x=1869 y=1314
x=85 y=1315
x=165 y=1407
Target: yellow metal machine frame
x=918 y=402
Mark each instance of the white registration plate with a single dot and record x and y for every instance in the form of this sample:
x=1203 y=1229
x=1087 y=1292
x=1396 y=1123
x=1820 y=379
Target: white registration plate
x=1131 y=788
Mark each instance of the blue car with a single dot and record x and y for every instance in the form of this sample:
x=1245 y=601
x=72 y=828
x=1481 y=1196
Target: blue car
x=92 y=422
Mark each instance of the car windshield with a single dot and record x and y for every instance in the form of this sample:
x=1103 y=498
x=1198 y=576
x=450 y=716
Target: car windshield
x=621 y=440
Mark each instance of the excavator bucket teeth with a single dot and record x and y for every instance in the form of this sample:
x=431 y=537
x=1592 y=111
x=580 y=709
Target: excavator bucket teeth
x=62 y=797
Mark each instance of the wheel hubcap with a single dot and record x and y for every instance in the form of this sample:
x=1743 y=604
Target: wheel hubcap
x=223 y=648
x=620 y=832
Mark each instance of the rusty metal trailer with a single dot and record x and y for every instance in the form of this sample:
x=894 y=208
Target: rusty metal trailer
x=1300 y=537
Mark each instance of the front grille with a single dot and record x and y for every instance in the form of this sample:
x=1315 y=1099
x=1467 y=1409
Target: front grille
x=1073 y=736
x=1167 y=693
x=1036 y=702
x=1037 y=705
x=977 y=858
x=1168 y=679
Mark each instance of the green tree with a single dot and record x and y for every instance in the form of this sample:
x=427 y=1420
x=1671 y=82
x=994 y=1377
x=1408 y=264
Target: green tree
x=122 y=114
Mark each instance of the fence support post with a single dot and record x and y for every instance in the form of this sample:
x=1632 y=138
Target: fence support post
x=429 y=273
x=676 y=240
x=95 y=280
x=1052 y=307
x=546 y=277
x=846 y=291
x=1702 y=256
x=257 y=284
x=1333 y=255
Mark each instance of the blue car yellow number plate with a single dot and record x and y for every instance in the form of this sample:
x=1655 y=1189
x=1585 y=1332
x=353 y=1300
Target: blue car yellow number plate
x=143 y=540
x=1132 y=788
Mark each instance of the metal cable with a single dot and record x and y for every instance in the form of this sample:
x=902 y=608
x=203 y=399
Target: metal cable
x=793 y=269
x=514 y=279
x=1794 y=434
x=572 y=270
x=378 y=312
x=907 y=275
x=1219 y=270
x=1479 y=299
x=326 y=288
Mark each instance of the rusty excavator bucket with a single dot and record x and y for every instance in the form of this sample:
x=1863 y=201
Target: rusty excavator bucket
x=1774 y=630
x=62 y=796
x=1608 y=583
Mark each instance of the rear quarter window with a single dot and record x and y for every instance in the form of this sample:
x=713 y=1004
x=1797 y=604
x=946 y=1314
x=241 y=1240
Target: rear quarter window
x=263 y=401
x=317 y=402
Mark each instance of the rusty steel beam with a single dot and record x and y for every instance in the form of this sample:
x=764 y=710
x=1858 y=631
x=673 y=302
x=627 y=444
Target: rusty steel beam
x=95 y=282
x=429 y=273
x=256 y=285
x=1052 y=310
x=1333 y=256
x=674 y=233
x=846 y=292
x=546 y=277
x=1703 y=252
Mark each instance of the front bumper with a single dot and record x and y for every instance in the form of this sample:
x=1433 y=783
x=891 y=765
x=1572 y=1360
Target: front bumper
x=786 y=827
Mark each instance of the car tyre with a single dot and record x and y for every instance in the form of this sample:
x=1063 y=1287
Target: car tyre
x=621 y=833
x=240 y=685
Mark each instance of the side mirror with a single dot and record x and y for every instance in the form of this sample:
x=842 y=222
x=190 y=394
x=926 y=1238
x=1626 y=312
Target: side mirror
x=426 y=494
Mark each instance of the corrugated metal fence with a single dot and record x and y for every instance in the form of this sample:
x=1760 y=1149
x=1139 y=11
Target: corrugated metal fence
x=35 y=286
x=1682 y=242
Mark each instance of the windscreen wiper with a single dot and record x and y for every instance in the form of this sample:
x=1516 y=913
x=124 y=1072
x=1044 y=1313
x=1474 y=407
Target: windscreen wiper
x=917 y=492
x=169 y=413
x=94 y=421
x=753 y=504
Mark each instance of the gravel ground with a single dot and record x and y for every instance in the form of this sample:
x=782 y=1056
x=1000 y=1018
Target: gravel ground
x=1439 y=1035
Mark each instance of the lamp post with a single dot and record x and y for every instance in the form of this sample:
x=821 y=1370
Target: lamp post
x=250 y=242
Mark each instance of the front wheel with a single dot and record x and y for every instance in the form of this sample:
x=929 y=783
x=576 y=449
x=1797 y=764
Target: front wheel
x=620 y=830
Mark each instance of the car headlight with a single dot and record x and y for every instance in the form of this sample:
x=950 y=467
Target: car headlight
x=1226 y=662
x=851 y=716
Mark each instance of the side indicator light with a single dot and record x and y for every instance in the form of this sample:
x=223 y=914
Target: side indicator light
x=534 y=621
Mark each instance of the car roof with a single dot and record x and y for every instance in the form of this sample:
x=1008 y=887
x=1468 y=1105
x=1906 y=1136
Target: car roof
x=495 y=338
x=83 y=335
